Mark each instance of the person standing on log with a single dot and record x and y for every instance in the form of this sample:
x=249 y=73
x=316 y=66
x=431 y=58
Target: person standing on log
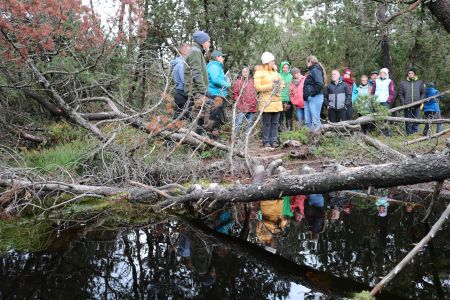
x=196 y=80
x=338 y=98
x=217 y=88
x=288 y=109
x=269 y=84
x=411 y=90
x=312 y=93
x=180 y=98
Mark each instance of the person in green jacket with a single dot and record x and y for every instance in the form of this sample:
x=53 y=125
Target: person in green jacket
x=288 y=108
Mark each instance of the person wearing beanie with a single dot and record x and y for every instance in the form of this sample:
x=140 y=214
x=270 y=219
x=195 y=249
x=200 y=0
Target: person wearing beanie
x=411 y=89
x=296 y=94
x=196 y=80
x=431 y=108
x=348 y=79
x=312 y=93
x=288 y=109
x=269 y=84
x=372 y=77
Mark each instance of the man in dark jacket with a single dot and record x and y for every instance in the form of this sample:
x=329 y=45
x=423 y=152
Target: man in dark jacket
x=196 y=81
x=411 y=90
x=338 y=98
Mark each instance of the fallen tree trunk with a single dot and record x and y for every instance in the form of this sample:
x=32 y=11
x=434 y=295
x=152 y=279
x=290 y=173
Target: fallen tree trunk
x=416 y=103
x=425 y=138
x=422 y=169
x=382 y=147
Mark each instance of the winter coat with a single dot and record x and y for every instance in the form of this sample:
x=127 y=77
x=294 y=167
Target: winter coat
x=269 y=94
x=286 y=77
x=411 y=90
x=296 y=92
x=177 y=66
x=338 y=95
x=384 y=90
x=218 y=83
x=364 y=90
x=314 y=82
x=353 y=89
x=432 y=104
x=195 y=73
x=248 y=100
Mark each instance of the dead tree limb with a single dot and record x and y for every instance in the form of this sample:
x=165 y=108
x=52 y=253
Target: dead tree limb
x=394 y=154
x=416 y=103
x=426 y=168
x=425 y=138
x=412 y=253
x=436 y=192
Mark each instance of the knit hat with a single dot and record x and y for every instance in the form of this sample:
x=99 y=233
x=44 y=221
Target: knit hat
x=348 y=70
x=295 y=71
x=267 y=57
x=200 y=37
x=385 y=71
x=411 y=70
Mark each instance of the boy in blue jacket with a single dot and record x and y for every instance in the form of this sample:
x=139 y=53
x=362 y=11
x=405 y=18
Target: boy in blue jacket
x=431 y=108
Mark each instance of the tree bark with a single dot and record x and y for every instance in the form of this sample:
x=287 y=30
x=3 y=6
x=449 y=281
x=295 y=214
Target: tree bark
x=422 y=169
x=441 y=10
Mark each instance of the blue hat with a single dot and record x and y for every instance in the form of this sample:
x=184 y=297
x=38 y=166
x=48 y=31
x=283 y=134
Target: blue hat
x=217 y=53
x=200 y=37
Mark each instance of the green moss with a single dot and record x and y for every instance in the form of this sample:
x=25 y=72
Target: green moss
x=300 y=135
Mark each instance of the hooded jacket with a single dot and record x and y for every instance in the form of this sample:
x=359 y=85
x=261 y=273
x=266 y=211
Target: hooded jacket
x=248 y=100
x=314 y=82
x=384 y=90
x=218 y=84
x=338 y=95
x=411 y=90
x=286 y=77
x=432 y=104
x=195 y=73
x=269 y=95
x=177 y=66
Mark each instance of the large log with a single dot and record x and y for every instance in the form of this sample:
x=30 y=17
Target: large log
x=426 y=168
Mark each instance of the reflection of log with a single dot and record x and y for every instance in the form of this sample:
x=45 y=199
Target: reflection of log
x=363 y=196
x=423 y=169
x=412 y=253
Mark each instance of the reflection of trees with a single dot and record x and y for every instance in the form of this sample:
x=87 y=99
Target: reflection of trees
x=363 y=247
x=133 y=264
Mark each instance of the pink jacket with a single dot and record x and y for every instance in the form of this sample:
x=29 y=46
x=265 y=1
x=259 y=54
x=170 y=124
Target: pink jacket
x=248 y=100
x=296 y=93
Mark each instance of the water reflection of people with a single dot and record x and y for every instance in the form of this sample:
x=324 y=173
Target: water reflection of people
x=197 y=254
x=338 y=204
x=272 y=221
x=382 y=205
x=298 y=207
x=314 y=214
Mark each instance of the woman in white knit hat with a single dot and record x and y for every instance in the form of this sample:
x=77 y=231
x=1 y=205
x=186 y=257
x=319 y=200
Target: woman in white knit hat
x=268 y=84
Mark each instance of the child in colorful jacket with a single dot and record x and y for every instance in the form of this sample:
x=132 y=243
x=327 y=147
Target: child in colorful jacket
x=296 y=94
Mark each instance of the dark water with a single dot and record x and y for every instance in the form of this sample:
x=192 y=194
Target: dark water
x=322 y=257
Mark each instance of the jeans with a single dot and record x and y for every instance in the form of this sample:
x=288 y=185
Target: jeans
x=312 y=112
x=412 y=113
x=300 y=116
x=270 y=127
x=248 y=116
x=432 y=115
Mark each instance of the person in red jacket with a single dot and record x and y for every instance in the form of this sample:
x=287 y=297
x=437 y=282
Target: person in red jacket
x=296 y=94
x=244 y=93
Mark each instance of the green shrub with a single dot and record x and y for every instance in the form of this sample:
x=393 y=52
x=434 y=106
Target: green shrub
x=64 y=132
x=300 y=135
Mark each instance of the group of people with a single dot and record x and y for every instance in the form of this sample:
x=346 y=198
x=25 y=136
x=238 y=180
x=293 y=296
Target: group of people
x=201 y=90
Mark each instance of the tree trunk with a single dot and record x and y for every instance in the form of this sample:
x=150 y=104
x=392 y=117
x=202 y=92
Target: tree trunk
x=423 y=169
x=385 y=47
x=441 y=10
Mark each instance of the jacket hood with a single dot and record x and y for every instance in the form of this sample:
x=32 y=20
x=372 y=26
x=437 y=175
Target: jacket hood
x=415 y=78
x=215 y=62
x=284 y=63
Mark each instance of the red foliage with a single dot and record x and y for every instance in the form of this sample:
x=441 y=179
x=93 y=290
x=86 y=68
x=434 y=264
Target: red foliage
x=39 y=26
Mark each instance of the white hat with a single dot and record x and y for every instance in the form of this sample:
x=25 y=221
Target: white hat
x=385 y=71
x=267 y=57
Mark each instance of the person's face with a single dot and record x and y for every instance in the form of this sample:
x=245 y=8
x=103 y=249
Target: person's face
x=308 y=64
x=335 y=76
x=206 y=45
x=374 y=77
x=220 y=59
x=285 y=68
x=364 y=80
x=185 y=50
x=409 y=208
x=298 y=75
x=245 y=72
x=381 y=209
x=347 y=75
x=382 y=75
x=272 y=64
x=411 y=75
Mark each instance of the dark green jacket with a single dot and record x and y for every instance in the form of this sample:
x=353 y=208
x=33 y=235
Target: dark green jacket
x=195 y=73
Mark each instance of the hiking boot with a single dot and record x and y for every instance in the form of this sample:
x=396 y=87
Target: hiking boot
x=267 y=146
x=275 y=145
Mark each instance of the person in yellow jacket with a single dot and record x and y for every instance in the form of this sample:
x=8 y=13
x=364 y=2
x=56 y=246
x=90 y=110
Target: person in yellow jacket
x=268 y=84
